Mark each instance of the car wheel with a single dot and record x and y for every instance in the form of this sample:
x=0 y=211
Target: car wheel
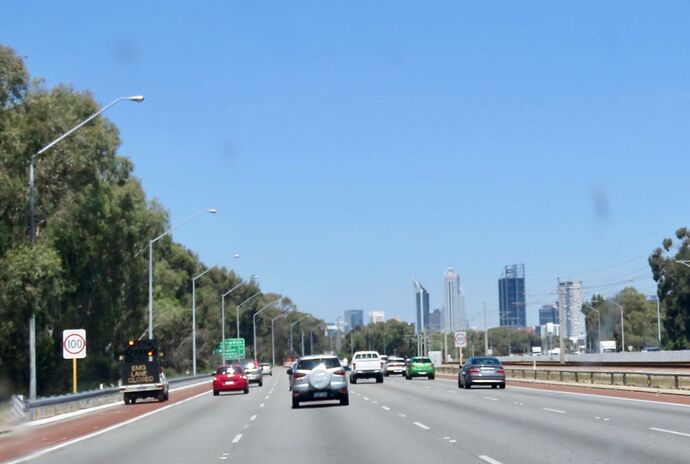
x=344 y=401
x=216 y=392
x=494 y=386
x=468 y=385
x=502 y=386
x=246 y=390
x=379 y=379
x=353 y=379
x=459 y=383
x=126 y=399
x=295 y=403
x=261 y=383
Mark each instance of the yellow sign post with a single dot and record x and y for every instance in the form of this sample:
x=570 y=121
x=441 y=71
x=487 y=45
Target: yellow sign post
x=74 y=375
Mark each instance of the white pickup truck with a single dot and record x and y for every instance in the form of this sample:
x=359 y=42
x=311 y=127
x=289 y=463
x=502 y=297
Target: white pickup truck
x=366 y=365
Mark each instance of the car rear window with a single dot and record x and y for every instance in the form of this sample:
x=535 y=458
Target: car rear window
x=421 y=360
x=486 y=361
x=367 y=356
x=229 y=370
x=309 y=364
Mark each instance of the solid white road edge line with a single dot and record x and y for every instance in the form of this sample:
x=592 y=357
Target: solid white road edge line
x=105 y=430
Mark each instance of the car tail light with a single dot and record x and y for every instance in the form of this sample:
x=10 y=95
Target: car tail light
x=340 y=372
x=500 y=370
x=298 y=375
x=473 y=370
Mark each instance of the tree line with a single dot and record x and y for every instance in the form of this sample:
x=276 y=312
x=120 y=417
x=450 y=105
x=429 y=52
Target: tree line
x=87 y=267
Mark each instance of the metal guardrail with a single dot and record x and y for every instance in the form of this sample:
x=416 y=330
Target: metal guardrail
x=670 y=381
x=53 y=405
x=653 y=380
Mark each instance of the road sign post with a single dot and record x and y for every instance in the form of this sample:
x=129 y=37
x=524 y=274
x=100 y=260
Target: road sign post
x=74 y=347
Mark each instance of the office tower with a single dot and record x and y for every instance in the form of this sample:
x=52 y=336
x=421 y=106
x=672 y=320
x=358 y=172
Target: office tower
x=511 y=296
x=422 y=302
x=570 y=303
x=435 y=320
x=454 y=302
x=377 y=316
x=354 y=318
x=548 y=313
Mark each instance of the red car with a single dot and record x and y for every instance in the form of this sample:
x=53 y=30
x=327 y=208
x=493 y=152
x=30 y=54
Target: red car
x=230 y=378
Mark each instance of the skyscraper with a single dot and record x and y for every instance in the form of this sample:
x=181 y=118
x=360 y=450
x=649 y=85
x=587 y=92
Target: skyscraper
x=422 y=301
x=511 y=296
x=377 y=316
x=354 y=318
x=435 y=320
x=570 y=304
x=454 y=302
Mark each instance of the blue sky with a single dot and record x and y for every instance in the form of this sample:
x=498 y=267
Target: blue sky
x=350 y=147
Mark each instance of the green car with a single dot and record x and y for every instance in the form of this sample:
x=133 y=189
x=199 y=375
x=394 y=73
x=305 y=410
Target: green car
x=420 y=366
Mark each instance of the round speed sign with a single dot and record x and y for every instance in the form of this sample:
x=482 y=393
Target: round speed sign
x=74 y=344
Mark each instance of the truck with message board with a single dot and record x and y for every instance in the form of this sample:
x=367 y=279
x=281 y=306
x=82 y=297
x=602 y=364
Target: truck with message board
x=142 y=376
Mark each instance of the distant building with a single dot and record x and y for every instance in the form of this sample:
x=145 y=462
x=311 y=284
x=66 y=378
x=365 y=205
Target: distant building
x=422 y=302
x=511 y=297
x=454 y=302
x=548 y=313
x=354 y=318
x=435 y=320
x=570 y=304
x=376 y=316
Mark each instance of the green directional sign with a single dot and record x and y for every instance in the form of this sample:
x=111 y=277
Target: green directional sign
x=231 y=348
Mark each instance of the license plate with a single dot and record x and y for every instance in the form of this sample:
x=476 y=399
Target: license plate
x=230 y=382
x=321 y=395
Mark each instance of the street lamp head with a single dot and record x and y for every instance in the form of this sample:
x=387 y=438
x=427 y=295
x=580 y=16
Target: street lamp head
x=136 y=98
x=212 y=210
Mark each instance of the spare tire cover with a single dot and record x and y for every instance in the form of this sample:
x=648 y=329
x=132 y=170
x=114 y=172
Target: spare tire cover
x=319 y=378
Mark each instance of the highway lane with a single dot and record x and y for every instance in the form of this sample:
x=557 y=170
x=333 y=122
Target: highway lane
x=398 y=421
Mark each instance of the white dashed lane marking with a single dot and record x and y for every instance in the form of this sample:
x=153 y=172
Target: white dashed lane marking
x=558 y=411
x=672 y=432
x=490 y=398
x=488 y=459
x=386 y=408
x=237 y=438
x=253 y=417
x=421 y=426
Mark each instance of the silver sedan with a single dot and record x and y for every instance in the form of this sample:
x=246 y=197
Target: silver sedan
x=482 y=370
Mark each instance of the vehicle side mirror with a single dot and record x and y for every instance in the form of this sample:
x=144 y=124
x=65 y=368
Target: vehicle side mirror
x=289 y=371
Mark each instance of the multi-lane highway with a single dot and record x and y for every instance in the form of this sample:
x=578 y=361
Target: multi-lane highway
x=398 y=421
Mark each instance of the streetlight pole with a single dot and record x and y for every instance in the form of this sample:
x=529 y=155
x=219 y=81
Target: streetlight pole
x=302 y=333
x=266 y=306
x=32 y=229
x=194 y=320
x=151 y=242
x=292 y=350
x=273 y=338
x=598 y=324
x=237 y=310
x=622 y=325
x=222 y=318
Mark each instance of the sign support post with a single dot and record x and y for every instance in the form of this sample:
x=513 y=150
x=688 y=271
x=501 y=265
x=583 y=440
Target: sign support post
x=74 y=375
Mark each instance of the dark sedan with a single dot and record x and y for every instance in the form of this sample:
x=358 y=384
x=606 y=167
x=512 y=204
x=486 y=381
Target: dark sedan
x=482 y=370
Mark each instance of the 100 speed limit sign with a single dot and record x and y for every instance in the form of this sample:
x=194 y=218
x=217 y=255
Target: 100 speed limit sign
x=74 y=344
x=460 y=339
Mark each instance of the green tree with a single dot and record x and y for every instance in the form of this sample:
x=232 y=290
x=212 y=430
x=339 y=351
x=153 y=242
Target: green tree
x=673 y=288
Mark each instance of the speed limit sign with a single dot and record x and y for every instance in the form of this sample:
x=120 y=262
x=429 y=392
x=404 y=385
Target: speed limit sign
x=460 y=339
x=74 y=344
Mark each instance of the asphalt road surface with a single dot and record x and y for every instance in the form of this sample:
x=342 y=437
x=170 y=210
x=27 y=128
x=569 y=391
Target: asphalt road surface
x=398 y=421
